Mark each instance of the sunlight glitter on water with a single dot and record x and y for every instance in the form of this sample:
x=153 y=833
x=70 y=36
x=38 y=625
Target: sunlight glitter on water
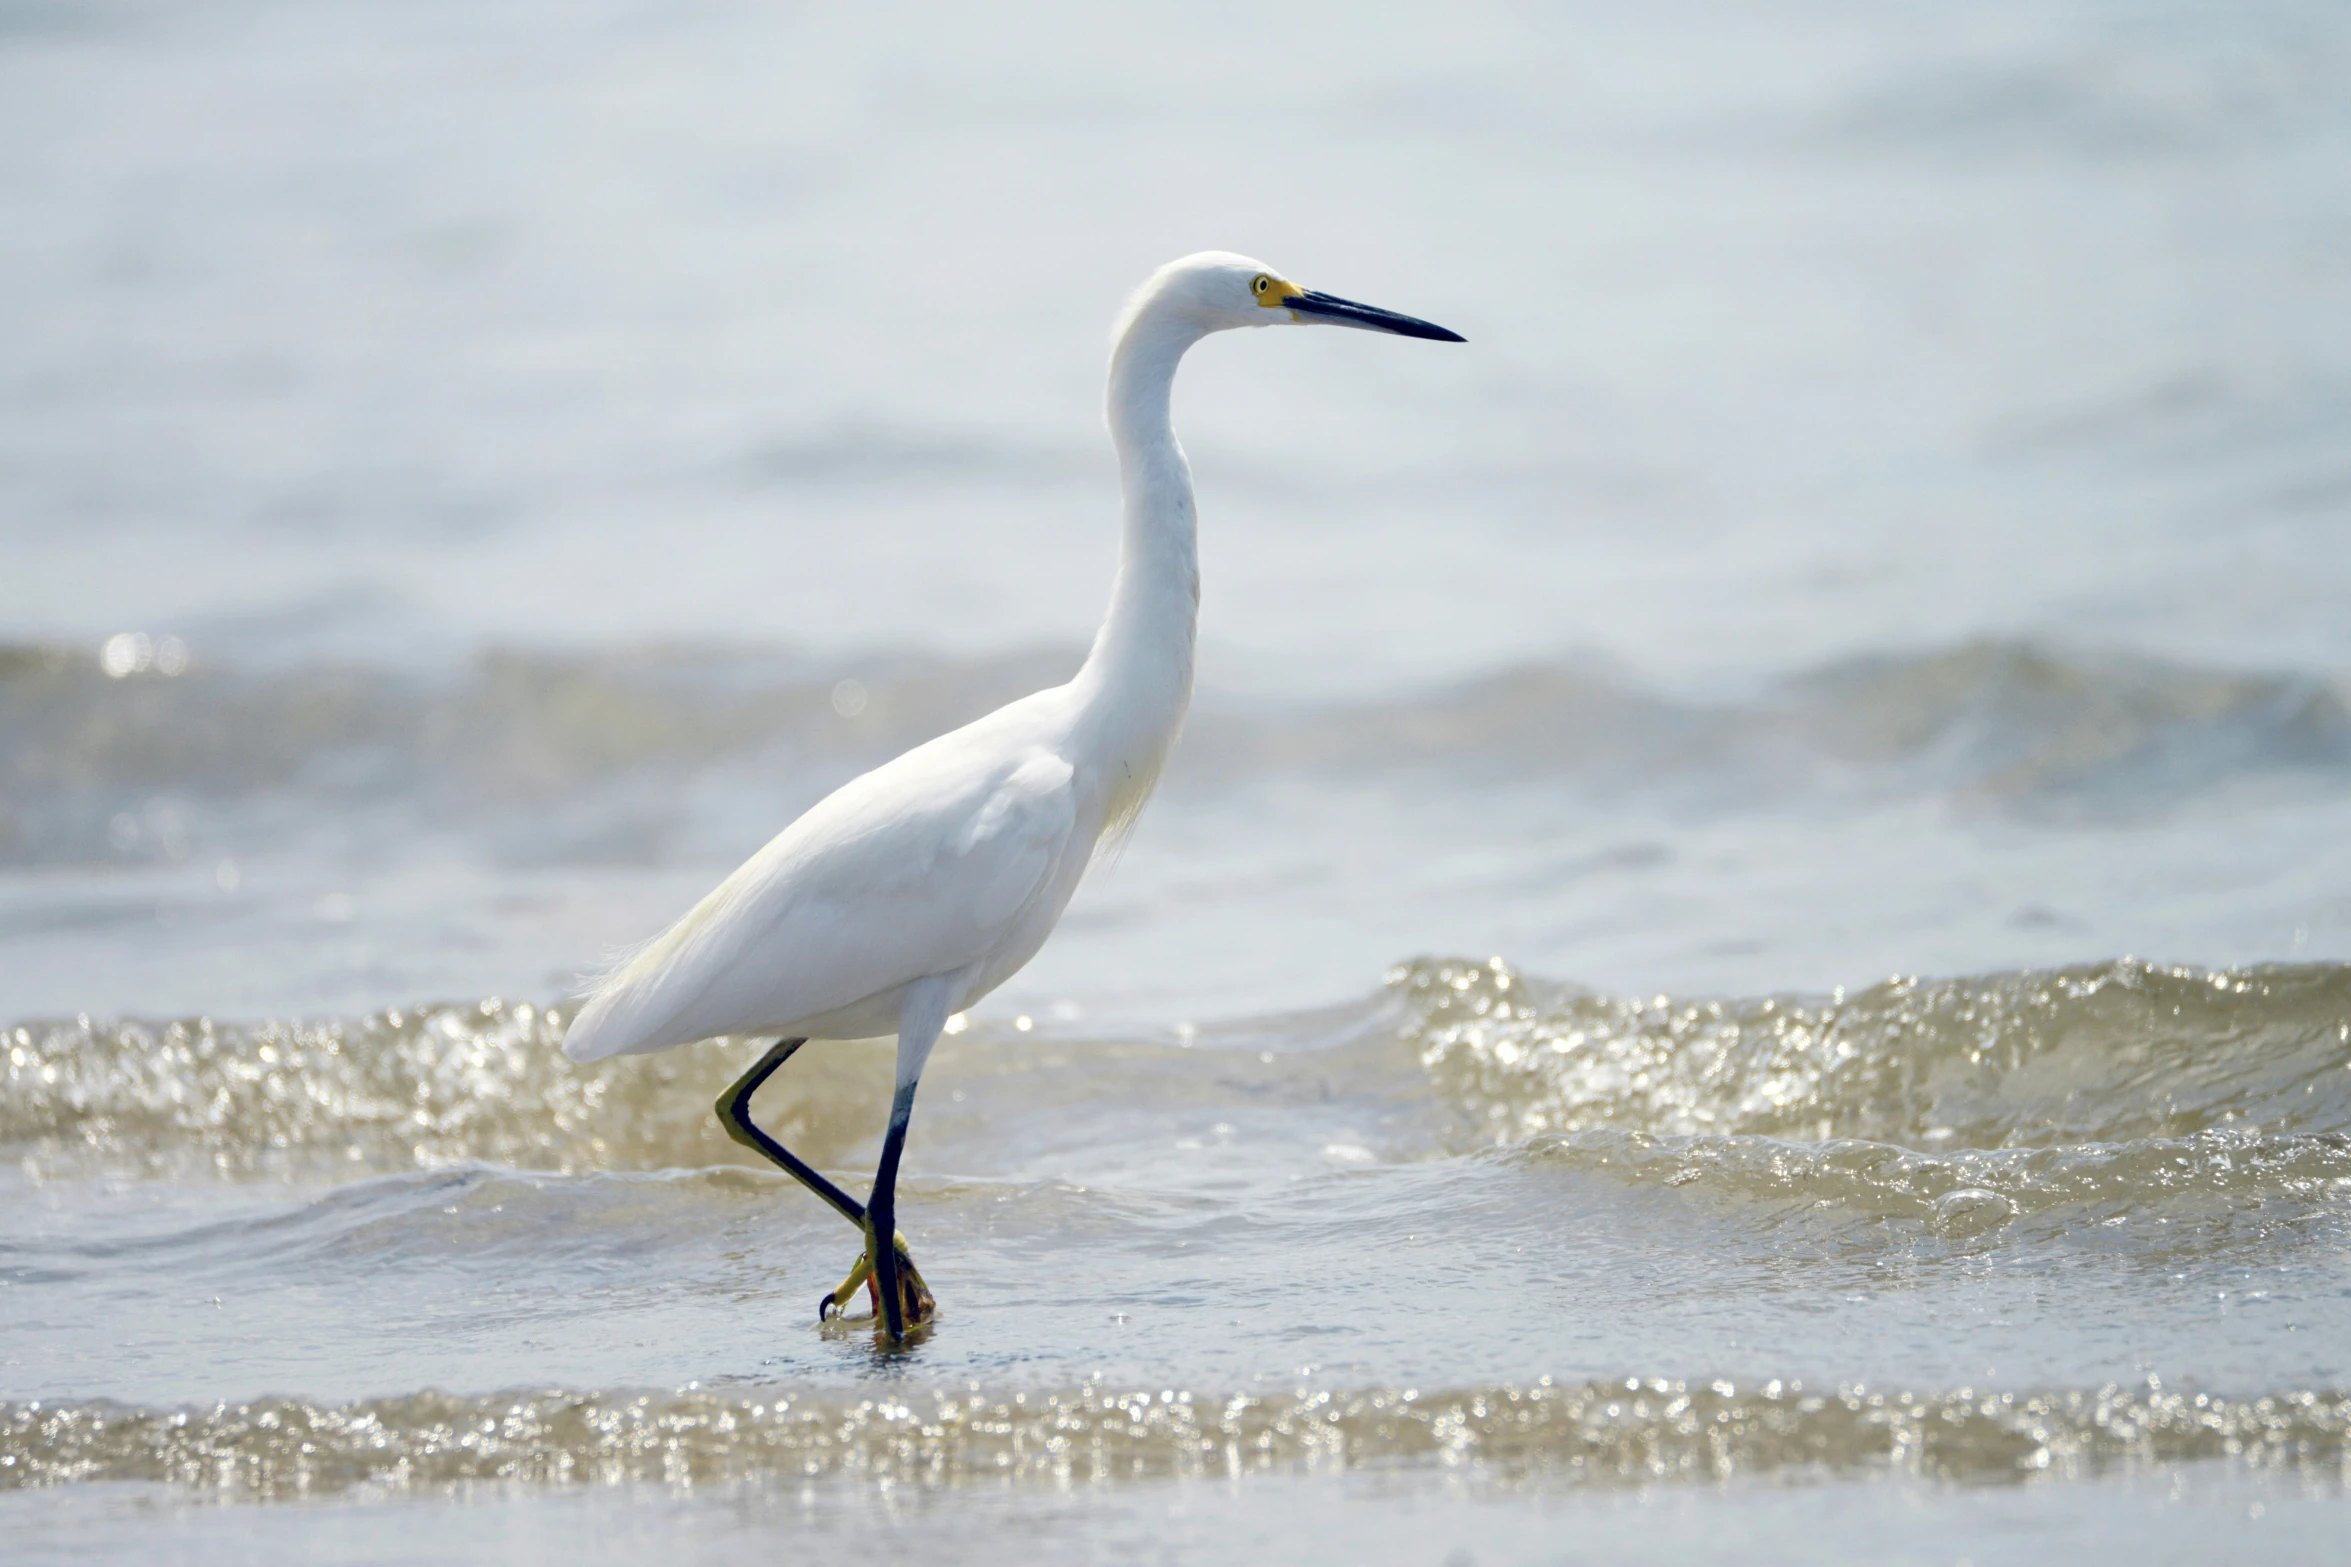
x=461 y=492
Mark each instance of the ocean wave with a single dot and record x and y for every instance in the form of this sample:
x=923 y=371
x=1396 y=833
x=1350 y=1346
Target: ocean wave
x=407 y=1087
x=89 y=742
x=1974 y=1192
x=1634 y=1431
x=2100 y=1053
x=92 y=749
x=2177 y=1063
x=486 y=1082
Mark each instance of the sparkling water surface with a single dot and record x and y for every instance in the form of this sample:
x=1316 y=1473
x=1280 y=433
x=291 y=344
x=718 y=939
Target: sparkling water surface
x=1746 y=944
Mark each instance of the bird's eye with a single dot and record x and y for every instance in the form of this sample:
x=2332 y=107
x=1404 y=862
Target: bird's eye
x=1263 y=284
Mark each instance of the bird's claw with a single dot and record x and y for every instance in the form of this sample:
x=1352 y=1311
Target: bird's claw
x=916 y=1304
x=833 y=1302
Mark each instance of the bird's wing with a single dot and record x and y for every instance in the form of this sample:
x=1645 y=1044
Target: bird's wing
x=923 y=866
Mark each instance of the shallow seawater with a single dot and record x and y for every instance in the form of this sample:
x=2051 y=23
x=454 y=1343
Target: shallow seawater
x=1746 y=952
x=2077 y=1224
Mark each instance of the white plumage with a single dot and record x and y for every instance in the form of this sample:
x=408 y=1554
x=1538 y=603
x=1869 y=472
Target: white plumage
x=911 y=892
x=953 y=860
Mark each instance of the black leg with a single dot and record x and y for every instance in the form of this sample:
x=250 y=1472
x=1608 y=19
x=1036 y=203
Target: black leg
x=882 y=1214
x=734 y=1113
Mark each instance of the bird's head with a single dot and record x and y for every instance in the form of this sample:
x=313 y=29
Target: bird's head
x=1217 y=290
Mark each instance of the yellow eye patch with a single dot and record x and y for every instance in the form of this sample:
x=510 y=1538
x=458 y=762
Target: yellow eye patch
x=1271 y=290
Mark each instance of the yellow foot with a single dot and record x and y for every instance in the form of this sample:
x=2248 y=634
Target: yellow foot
x=915 y=1303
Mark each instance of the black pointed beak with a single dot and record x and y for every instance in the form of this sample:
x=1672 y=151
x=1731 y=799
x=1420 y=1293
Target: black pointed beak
x=1346 y=312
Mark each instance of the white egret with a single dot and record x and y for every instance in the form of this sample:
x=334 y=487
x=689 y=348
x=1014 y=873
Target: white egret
x=911 y=892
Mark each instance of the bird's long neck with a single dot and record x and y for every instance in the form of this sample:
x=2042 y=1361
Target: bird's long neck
x=1137 y=681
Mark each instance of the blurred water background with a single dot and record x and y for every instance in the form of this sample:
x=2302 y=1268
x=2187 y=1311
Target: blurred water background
x=470 y=473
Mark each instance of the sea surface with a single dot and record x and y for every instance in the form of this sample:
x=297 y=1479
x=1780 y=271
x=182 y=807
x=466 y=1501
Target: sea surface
x=1747 y=954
